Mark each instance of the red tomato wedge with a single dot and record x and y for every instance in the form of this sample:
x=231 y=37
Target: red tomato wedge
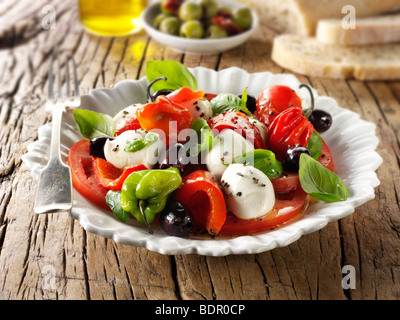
x=203 y=197
x=166 y=117
x=110 y=176
x=83 y=177
x=240 y=122
x=287 y=207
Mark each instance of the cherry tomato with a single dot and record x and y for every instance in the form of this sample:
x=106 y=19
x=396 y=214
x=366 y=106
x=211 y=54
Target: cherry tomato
x=110 y=176
x=162 y=115
x=288 y=129
x=240 y=122
x=275 y=99
x=83 y=177
x=288 y=206
x=202 y=196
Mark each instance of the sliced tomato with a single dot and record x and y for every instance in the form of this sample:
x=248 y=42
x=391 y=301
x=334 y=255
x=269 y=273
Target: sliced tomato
x=110 y=176
x=240 y=122
x=326 y=158
x=166 y=117
x=83 y=177
x=288 y=206
x=275 y=99
x=202 y=196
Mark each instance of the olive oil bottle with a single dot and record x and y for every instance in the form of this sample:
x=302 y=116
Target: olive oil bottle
x=111 y=17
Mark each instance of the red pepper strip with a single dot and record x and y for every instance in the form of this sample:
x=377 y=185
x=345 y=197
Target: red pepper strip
x=288 y=129
x=173 y=5
x=163 y=115
x=185 y=96
x=239 y=122
x=228 y=25
x=110 y=176
x=203 y=197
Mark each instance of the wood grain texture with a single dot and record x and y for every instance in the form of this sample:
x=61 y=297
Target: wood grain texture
x=53 y=257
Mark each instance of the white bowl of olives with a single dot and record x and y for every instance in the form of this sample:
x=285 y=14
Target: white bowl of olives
x=200 y=26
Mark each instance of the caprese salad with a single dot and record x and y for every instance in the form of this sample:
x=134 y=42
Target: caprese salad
x=223 y=164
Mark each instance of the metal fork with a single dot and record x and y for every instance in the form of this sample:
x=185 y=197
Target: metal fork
x=54 y=191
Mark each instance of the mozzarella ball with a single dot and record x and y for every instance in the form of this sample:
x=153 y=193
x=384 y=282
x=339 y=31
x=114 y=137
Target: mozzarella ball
x=250 y=193
x=200 y=109
x=148 y=156
x=126 y=113
x=229 y=146
x=261 y=127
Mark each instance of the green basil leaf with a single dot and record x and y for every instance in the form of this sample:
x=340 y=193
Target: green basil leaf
x=113 y=200
x=319 y=182
x=206 y=136
x=244 y=104
x=93 y=125
x=177 y=74
x=315 y=145
x=263 y=160
x=225 y=102
x=139 y=144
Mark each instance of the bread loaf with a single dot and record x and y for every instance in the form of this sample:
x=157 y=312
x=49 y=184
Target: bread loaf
x=307 y=55
x=301 y=16
x=371 y=30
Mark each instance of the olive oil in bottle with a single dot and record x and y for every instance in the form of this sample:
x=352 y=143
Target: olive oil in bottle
x=111 y=17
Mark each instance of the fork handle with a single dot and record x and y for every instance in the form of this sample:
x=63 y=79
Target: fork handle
x=56 y=132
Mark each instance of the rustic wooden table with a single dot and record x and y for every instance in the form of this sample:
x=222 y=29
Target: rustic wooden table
x=53 y=257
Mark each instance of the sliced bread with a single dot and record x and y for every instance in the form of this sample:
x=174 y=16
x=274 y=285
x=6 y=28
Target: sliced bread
x=301 y=16
x=371 y=30
x=307 y=55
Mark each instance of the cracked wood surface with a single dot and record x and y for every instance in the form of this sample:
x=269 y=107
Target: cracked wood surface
x=53 y=257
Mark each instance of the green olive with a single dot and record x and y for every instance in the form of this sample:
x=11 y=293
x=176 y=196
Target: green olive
x=192 y=29
x=210 y=8
x=243 y=18
x=158 y=19
x=225 y=11
x=170 y=25
x=163 y=9
x=216 y=32
x=190 y=10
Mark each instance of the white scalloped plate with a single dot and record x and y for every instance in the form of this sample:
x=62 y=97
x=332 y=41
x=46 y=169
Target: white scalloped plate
x=352 y=141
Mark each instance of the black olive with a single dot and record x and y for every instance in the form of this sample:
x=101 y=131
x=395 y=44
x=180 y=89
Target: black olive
x=292 y=158
x=97 y=147
x=177 y=157
x=155 y=95
x=321 y=120
x=175 y=221
x=251 y=103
